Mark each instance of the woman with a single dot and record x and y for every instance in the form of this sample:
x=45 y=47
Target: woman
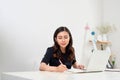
x=61 y=55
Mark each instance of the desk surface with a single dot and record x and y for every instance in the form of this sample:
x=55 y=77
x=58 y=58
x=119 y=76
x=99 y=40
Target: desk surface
x=44 y=75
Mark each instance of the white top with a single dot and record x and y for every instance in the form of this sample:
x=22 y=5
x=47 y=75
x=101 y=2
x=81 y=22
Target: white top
x=44 y=75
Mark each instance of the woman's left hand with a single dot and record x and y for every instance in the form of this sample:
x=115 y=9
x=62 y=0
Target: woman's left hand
x=80 y=66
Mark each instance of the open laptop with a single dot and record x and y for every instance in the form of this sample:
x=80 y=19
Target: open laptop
x=97 y=62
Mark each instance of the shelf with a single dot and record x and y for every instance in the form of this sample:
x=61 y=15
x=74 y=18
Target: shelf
x=102 y=42
x=101 y=45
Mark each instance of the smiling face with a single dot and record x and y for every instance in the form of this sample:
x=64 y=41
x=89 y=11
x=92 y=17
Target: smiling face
x=63 y=39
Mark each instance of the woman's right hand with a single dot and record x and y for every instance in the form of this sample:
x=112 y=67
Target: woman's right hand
x=45 y=67
x=61 y=68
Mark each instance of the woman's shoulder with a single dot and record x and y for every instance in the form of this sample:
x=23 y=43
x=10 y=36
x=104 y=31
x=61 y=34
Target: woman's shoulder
x=51 y=49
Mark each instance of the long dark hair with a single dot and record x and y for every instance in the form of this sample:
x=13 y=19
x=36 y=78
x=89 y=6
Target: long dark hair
x=69 y=48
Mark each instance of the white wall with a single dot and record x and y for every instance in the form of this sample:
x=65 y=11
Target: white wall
x=112 y=16
x=27 y=26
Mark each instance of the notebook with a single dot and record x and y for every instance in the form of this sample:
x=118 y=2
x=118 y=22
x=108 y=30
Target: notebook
x=97 y=62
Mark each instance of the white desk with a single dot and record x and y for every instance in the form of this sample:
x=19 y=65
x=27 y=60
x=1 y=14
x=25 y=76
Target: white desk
x=43 y=75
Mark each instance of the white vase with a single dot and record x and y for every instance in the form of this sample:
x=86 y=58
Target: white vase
x=99 y=38
x=104 y=37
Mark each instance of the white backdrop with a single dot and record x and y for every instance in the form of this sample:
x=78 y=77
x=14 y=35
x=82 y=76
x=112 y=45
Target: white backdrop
x=27 y=27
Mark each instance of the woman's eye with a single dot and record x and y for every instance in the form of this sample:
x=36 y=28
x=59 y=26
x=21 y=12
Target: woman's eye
x=66 y=37
x=59 y=37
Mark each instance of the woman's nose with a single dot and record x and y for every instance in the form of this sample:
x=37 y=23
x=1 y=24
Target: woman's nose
x=63 y=39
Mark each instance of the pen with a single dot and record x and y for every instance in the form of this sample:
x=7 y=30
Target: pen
x=60 y=61
x=62 y=64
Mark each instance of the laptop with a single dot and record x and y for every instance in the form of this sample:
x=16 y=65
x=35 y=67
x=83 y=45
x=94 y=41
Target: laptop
x=97 y=62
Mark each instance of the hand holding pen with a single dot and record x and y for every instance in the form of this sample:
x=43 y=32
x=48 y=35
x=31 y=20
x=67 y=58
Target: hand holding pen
x=61 y=67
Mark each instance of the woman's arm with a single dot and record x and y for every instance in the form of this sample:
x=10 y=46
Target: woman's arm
x=45 y=67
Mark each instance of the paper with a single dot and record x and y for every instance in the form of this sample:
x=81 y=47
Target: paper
x=75 y=70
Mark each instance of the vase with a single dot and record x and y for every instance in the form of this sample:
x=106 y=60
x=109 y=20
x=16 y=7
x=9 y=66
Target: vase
x=104 y=37
x=99 y=37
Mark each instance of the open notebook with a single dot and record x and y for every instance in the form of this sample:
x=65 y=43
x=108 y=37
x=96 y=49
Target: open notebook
x=97 y=62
